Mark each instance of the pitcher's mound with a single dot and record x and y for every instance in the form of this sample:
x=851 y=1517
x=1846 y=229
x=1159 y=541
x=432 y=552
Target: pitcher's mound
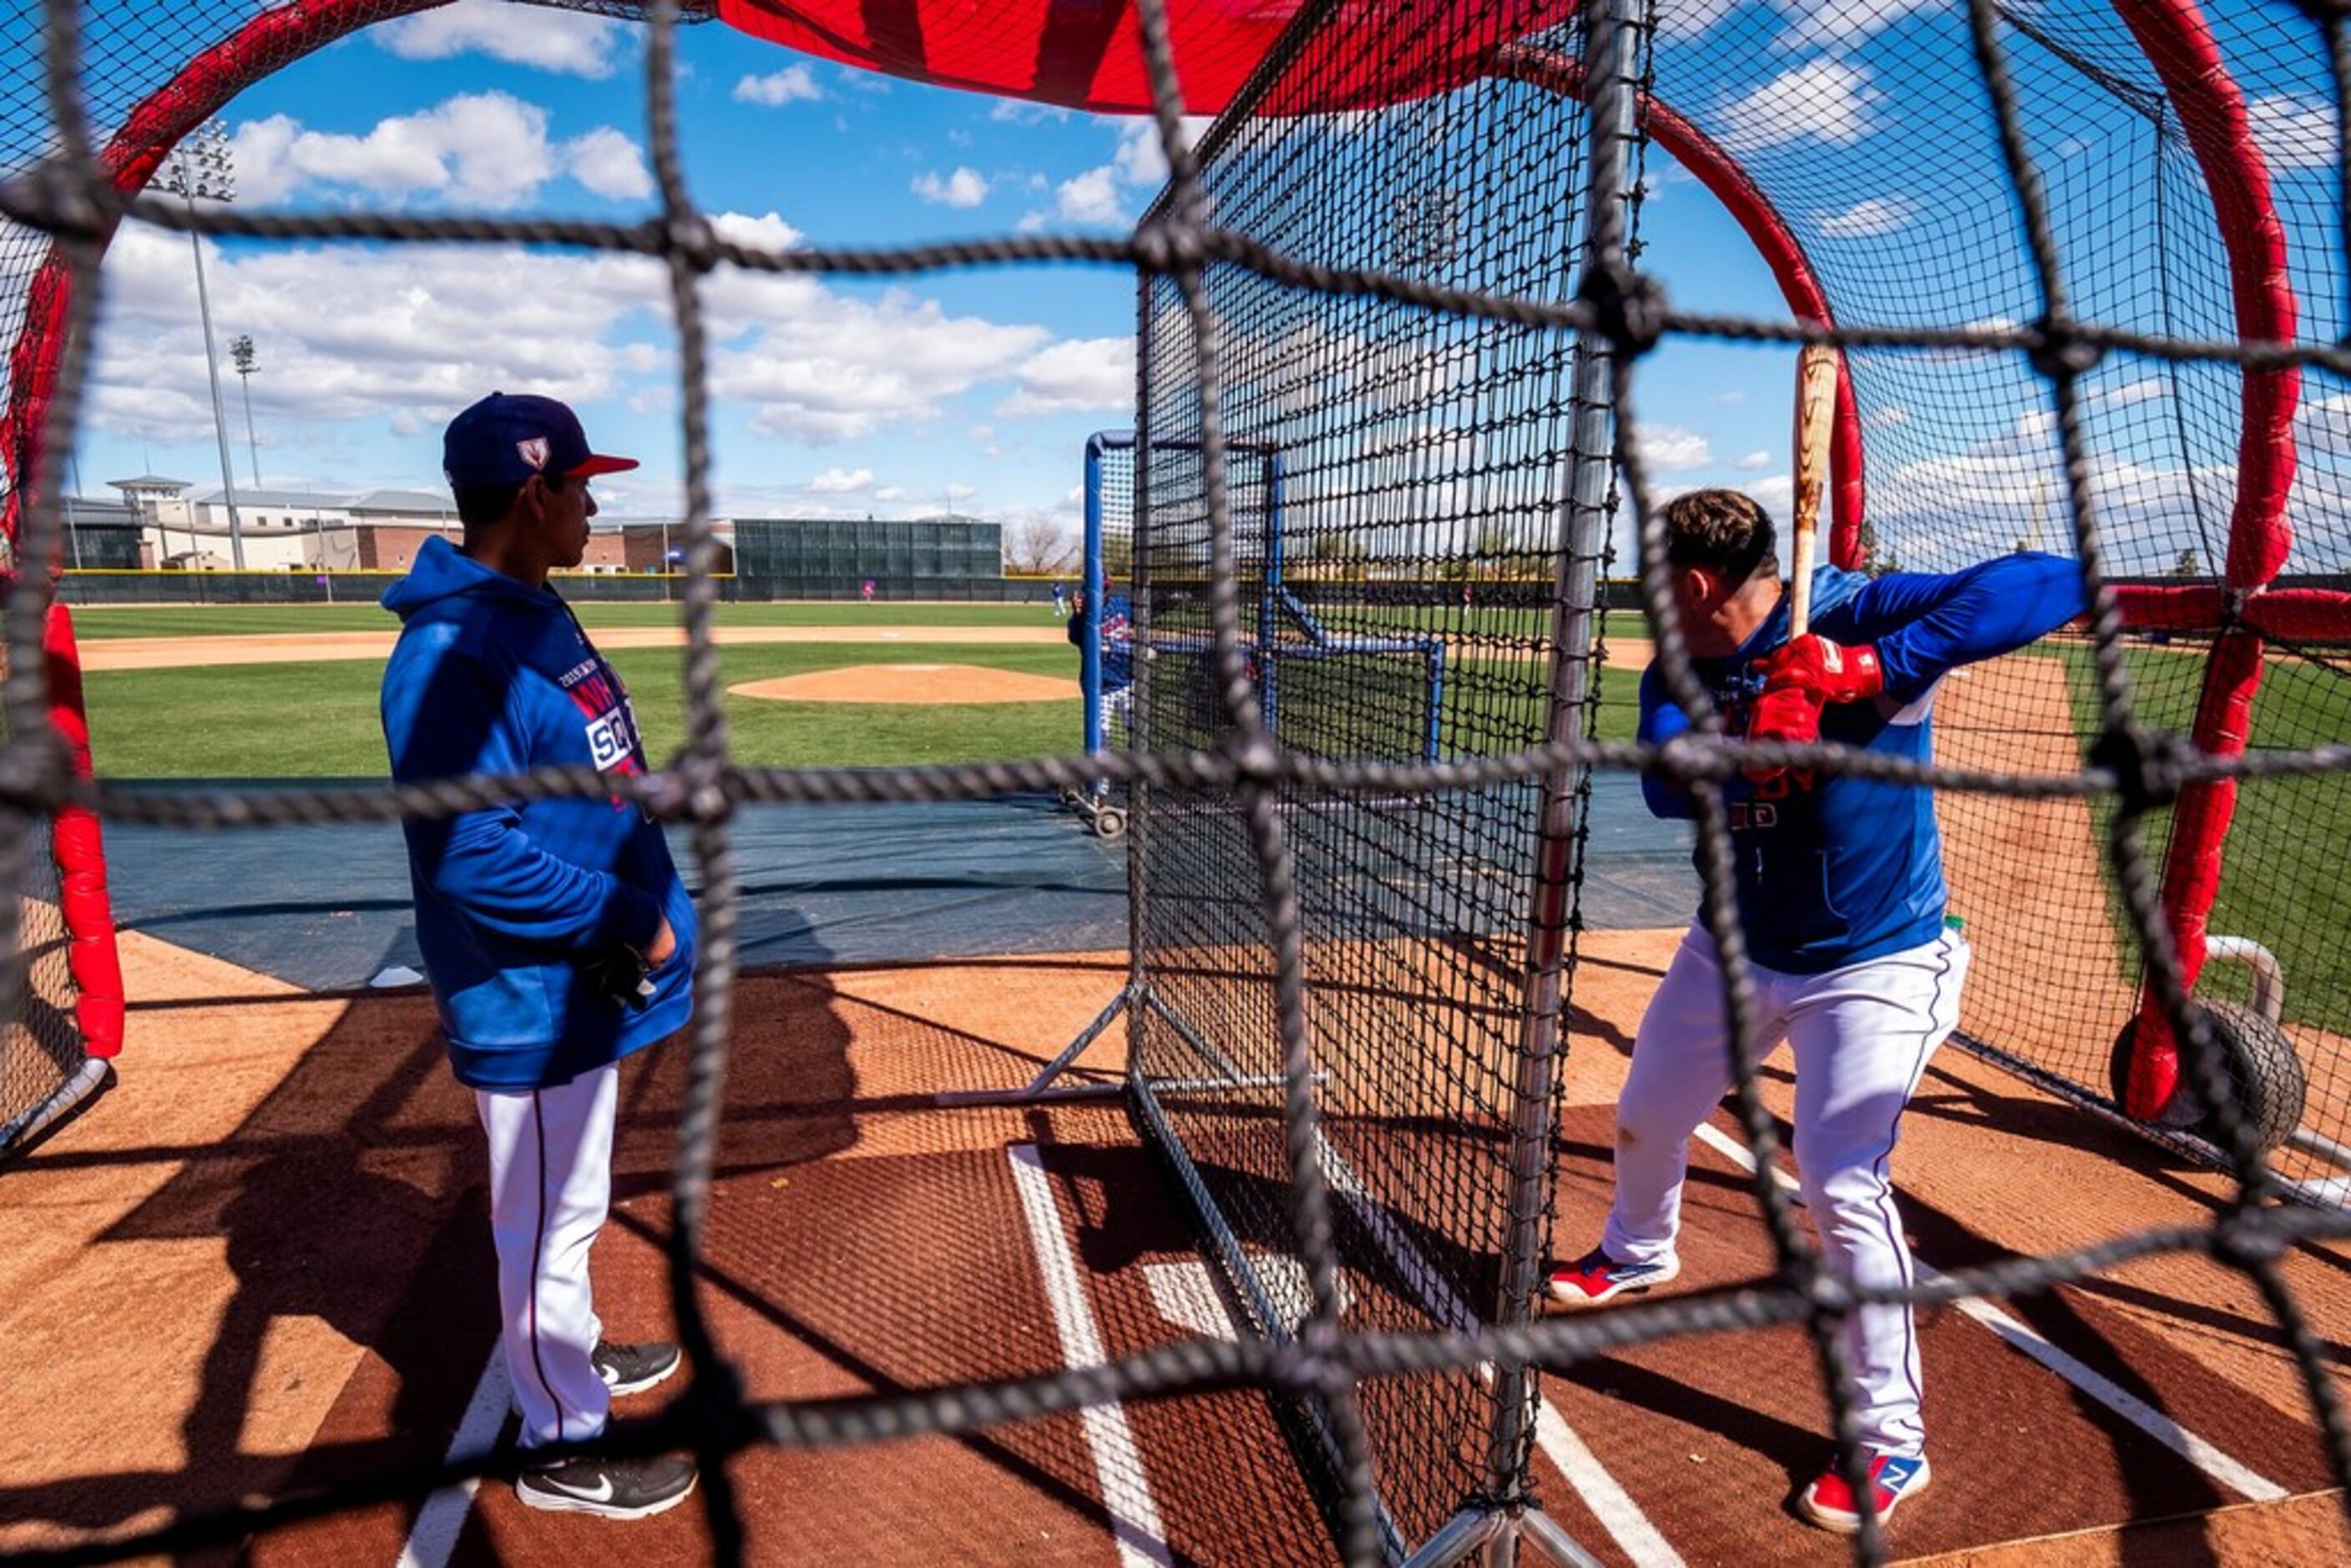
x=912 y=683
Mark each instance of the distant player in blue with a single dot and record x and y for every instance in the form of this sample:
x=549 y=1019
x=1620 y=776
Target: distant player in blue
x=1841 y=899
x=1060 y=604
x=1117 y=662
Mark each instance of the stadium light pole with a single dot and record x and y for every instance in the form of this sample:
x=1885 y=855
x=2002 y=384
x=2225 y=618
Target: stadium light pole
x=199 y=166
x=240 y=353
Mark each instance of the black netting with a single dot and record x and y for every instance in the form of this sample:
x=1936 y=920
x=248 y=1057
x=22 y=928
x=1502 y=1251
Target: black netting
x=1387 y=464
x=41 y=1046
x=1388 y=355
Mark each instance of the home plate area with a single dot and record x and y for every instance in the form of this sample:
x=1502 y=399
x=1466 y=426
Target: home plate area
x=310 y=1193
x=881 y=1244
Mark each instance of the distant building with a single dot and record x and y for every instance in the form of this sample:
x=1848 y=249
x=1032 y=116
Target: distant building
x=101 y=535
x=308 y=530
x=832 y=557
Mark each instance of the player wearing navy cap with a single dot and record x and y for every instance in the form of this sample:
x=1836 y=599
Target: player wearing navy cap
x=557 y=937
x=1842 y=904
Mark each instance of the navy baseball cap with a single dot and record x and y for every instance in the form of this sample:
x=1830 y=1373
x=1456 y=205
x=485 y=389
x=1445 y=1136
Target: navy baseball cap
x=504 y=439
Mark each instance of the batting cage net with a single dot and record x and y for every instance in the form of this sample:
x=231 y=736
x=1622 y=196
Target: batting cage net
x=63 y=982
x=2085 y=264
x=41 y=1048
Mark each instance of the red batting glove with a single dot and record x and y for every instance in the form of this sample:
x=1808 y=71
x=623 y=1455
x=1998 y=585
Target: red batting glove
x=1827 y=671
x=1788 y=714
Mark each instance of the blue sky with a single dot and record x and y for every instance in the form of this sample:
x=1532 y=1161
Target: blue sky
x=975 y=389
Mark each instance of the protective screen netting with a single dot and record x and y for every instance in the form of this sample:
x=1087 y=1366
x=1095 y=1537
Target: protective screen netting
x=41 y=1046
x=2042 y=326
x=1387 y=466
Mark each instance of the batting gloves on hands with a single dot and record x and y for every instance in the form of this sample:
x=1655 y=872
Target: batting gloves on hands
x=1828 y=671
x=1801 y=678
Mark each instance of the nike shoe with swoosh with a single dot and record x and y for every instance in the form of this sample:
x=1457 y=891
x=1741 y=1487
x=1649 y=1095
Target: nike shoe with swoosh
x=634 y=1368
x=609 y=1488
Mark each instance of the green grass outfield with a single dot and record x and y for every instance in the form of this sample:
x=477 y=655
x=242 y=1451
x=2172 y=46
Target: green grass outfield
x=319 y=720
x=296 y=721
x=2282 y=875
x=92 y=622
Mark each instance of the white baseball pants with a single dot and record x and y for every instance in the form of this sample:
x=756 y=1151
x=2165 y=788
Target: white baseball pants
x=1860 y=1036
x=550 y=1189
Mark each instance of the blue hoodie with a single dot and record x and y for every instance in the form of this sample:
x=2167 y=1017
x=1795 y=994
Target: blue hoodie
x=1840 y=868
x=492 y=676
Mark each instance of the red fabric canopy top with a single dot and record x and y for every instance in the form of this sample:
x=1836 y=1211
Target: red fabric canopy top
x=1088 y=54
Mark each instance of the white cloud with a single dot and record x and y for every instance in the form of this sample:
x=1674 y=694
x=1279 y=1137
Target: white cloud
x=354 y=333
x=963 y=189
x=1735 y=395
x=351 y=333
x=889 y=493
x=2324 y=424
x=1752 y=462
x=764 y=232
x=842 y=481
x=1775 y=494
x=564 y=42
x=1668 y=449
x=1018 y=111
x=1871 y=215
x=2294 y=132
x=2146 y=388
x=477 y=150
x=962 y=492
x=1075 y=376
x=1688 y=18
x=609 y=164
x=793 y=84
x=1825 y=100
x=817 y=367
x=1092 y=197
x=1140 y=160
x=1846 y=23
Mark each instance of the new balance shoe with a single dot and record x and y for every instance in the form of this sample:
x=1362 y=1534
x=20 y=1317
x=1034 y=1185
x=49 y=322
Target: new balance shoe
x=1595 y=1278
x=1830 y=1503
x=634 y=1368
x=609 y=1488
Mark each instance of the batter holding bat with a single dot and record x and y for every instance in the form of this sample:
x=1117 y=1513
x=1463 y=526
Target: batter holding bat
x=1841 y=900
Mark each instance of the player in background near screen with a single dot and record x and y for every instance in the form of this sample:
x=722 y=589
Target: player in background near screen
x=1841 y=900
x=866 y=591
x=557 y=937
x=1117 y=665
x=1061 y=600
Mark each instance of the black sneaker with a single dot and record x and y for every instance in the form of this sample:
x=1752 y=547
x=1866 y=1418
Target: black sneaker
x=610 y=1489
x=634 y=1368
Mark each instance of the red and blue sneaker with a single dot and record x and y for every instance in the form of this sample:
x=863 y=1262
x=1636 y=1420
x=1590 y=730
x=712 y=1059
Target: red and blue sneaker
x=1830 y=1503
x=1595 y=1278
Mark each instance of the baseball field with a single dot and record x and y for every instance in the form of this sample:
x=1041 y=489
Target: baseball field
x=290 y=691
x=225 y=1168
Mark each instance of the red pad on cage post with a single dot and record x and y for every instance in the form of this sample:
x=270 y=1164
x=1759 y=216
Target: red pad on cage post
x=2179 y=43
x=81 y=857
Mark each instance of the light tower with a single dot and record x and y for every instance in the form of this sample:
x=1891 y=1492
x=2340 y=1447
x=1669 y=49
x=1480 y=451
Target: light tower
x=240 y=353
x=199 y=166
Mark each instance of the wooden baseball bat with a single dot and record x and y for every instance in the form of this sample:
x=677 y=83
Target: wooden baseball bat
x=1816 y=380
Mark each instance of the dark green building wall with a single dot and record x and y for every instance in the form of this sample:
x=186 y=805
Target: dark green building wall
x=827 y=557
